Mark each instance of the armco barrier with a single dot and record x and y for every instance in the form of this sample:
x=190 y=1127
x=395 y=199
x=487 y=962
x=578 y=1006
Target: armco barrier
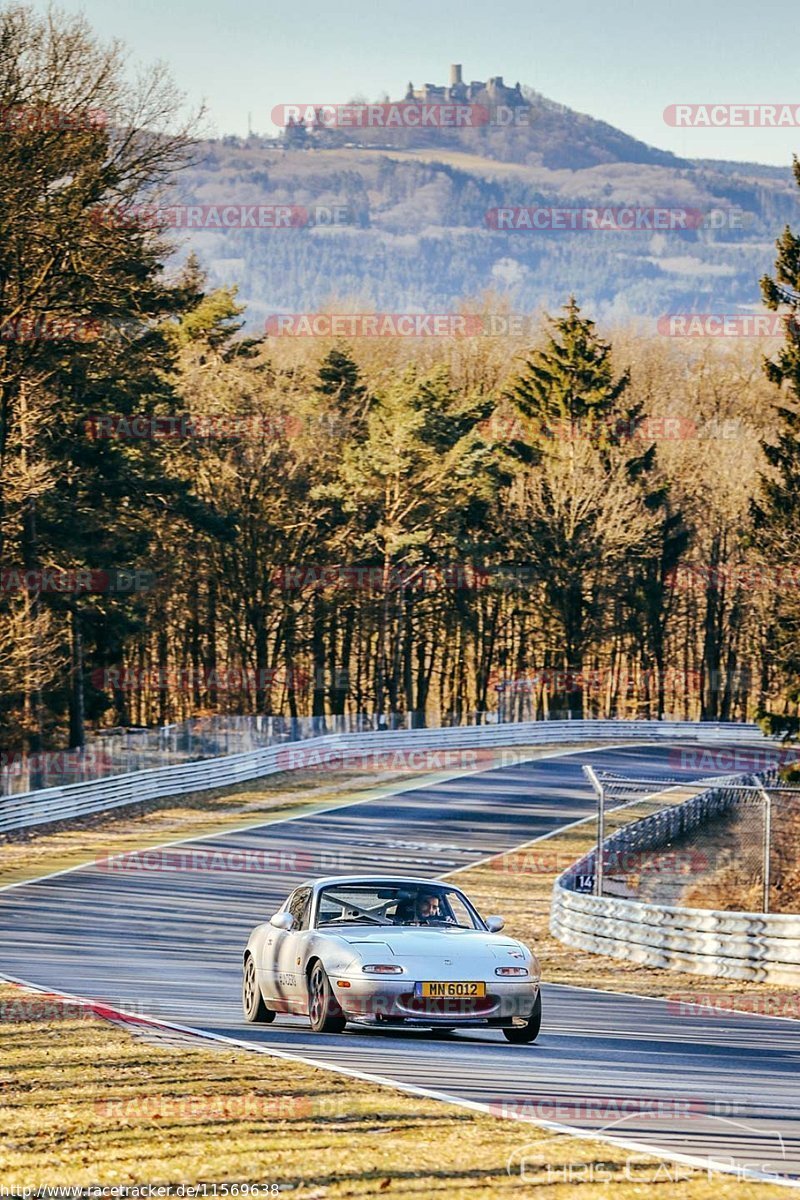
x=759 y=947
x=81 y=799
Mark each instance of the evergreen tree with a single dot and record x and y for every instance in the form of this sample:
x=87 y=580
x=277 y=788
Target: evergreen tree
x=576 y=504
x=777 y=508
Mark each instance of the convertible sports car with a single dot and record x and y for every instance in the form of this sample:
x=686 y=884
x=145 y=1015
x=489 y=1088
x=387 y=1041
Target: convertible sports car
x=389 y=951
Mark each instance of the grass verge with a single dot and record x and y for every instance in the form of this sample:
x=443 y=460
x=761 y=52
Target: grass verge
x=85 y=1101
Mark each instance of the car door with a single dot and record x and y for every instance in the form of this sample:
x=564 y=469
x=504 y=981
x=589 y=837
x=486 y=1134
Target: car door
x=288 y=957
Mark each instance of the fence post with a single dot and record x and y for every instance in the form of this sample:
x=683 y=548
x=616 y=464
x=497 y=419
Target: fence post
x=600 y=791
x=767 y=844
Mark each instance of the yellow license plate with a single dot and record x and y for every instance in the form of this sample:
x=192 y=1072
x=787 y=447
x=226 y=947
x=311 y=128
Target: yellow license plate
x=447 y=990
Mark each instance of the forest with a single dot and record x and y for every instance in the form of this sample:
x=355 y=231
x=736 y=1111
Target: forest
x=568 y=519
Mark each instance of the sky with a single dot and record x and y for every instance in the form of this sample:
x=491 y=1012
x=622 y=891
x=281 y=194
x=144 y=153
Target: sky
x=621 y=62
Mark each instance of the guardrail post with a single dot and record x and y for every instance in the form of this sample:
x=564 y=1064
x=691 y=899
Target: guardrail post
x=767 y=844
x=600 y=791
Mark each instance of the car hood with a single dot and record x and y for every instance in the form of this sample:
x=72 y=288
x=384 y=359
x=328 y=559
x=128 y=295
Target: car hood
x=412 y=941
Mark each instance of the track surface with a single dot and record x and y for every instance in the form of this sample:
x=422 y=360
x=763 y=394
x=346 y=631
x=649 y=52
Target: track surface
x=168 y=943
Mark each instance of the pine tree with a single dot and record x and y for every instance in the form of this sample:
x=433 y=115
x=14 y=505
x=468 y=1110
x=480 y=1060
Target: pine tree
x=777 y=509
x=578 y=506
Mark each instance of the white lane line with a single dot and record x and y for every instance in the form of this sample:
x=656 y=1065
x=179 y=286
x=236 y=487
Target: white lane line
x=707 y=1164
x=379 y=794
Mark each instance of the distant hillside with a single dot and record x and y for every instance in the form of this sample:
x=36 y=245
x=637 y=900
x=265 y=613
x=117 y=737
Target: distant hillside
x=550 y=135
x=416 y=234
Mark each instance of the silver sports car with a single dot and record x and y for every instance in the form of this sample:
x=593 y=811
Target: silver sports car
x=389 y=951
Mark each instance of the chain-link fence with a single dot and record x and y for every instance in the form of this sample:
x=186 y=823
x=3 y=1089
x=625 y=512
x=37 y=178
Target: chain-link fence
x=119 y=751
x=725 y=842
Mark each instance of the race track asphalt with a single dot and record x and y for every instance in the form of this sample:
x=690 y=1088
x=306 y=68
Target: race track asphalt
x=167 y=942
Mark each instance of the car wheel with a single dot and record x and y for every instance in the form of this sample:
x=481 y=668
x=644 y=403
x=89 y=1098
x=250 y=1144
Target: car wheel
x=255 y=1010
x=530 y=1030
x=323 y=1010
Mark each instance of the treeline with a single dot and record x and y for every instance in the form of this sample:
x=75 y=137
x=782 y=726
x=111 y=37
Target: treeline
x=193 y=521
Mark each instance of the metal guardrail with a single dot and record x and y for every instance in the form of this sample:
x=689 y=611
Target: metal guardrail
x=758 y=947
x=336 y=750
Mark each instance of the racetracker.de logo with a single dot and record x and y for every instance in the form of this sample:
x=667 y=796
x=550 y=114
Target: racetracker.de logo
x=51 y=327
x=203 y=426
x=730 y=325
x=733 y=760
x=707 y=1004
x=410 y=325
x=297 y=758
x=239 y=1107
x=75 y=581
x=606 y=1108
x=189 y=679
x=628 y=219
x=732 y=116
x=44 y=119
x=407 y=114
x=223 y=861
x=430 y=578
x=206 y=216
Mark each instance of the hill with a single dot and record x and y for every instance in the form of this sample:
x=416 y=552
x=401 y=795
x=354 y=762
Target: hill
x=400 y=219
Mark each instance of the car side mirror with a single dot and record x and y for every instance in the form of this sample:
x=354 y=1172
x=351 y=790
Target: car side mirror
x=282 y=920
x=494 y=924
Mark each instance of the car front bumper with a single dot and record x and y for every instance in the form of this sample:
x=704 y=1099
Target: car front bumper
x=392 y=1000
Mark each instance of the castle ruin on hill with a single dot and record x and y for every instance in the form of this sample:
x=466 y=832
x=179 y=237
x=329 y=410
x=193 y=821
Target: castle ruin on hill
x=491 y=92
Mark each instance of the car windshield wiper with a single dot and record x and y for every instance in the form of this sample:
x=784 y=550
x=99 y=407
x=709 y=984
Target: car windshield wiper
x=354 y=921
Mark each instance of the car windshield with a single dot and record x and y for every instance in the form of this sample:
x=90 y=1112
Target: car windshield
x=394 y=904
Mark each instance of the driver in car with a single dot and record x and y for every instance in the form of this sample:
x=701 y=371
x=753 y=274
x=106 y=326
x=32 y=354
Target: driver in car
x=430 y=912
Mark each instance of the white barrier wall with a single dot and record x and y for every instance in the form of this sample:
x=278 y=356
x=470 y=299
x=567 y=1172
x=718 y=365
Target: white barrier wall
x=80 y=799
x=758 y=947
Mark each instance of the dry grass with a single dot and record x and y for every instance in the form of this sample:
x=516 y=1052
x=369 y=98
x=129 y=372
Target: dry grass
x=736 y=843
x=87 y=1102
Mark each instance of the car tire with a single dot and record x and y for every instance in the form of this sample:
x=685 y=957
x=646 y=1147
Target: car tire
x=519 y=1034
x=324 y=1012
x=255 y=1010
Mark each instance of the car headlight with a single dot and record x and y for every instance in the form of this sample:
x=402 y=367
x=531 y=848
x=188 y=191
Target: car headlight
x=511 y=970
x=382 y=969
